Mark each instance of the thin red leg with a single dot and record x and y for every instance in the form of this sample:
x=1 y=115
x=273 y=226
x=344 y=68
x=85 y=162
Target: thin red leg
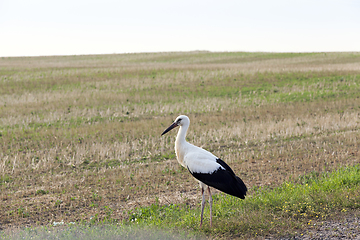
x=202 y=205
x=210 y=202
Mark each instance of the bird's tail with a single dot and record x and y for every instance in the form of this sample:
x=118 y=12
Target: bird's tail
x=241 y=185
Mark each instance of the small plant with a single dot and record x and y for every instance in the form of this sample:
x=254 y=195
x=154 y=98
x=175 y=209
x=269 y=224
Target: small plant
x=94 y=219
x=93 y=205
x=21 y=212
x=41 y=192
x=108 y=212
x=96 y=197
x=4 y=179
x=58 y=203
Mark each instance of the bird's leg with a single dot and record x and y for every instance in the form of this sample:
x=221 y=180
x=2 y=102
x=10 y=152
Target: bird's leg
x=202 y=205
x=210 y=202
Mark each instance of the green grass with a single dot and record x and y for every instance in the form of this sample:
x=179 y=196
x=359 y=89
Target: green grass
x=62 y=231
x=266 y=87
x=281 y=210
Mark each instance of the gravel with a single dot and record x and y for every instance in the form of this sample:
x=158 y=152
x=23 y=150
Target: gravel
x=348 y=227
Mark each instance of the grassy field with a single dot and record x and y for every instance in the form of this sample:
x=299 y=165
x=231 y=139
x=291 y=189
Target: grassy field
x=80 y=135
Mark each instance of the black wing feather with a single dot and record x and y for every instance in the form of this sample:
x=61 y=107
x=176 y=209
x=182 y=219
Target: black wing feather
x=224 y=180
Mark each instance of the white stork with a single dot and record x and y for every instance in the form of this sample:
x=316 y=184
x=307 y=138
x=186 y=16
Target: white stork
x=210 y=170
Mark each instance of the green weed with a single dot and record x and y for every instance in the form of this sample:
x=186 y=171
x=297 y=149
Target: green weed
x=315 y=197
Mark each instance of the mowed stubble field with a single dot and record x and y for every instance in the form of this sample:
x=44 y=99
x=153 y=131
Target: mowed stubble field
x=80 y=135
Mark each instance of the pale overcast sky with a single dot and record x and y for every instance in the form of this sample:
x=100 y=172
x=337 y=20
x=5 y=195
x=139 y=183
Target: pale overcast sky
x=73 y=27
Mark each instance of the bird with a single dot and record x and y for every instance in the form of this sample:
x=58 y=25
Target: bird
x=208 y=169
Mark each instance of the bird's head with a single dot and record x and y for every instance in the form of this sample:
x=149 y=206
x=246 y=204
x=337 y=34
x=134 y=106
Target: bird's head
x=181 y=120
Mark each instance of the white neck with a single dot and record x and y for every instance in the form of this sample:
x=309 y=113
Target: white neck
x=182 y=134
x=180 y=143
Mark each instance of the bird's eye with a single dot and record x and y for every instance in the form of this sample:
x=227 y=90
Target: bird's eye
x=179 y=120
